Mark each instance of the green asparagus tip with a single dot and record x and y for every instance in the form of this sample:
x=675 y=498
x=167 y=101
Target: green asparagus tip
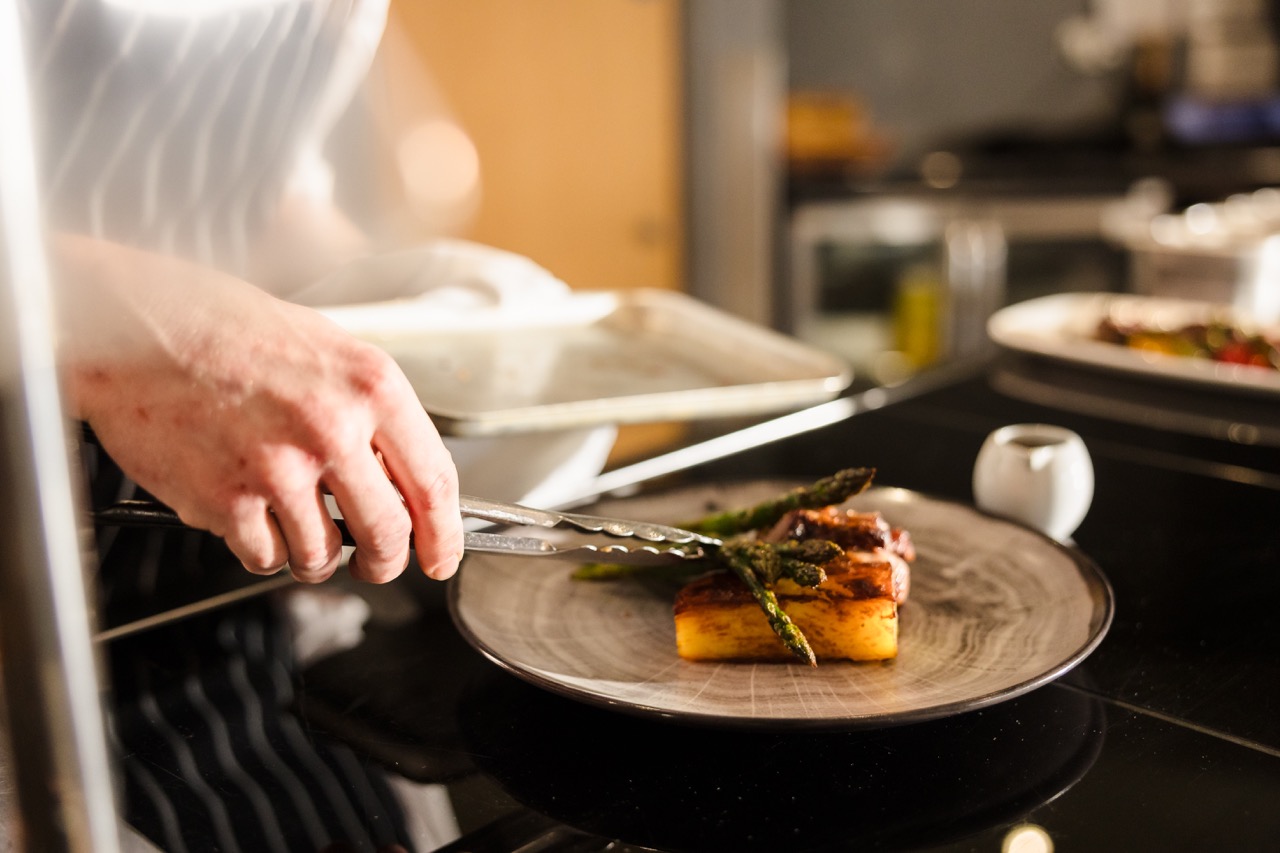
x=799 y=646
x=805 y=574
x=843 y=485
x=816 y=551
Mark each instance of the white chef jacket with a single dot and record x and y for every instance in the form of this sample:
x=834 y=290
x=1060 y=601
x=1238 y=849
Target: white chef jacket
x=175 y=125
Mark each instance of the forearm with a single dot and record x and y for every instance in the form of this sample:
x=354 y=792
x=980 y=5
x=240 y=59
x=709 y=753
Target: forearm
x=122 y=311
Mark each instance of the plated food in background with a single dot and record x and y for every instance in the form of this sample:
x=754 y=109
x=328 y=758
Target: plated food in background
x=797 y=577
x=1220 y=340
x=1178 y=341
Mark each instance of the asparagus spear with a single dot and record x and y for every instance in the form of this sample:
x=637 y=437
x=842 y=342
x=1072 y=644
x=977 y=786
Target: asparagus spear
x=816 y=551
x=799 y=560
x=765 y=561
x=802 y=561
x=830 y=490
x=835 y=489
x=741 y=557
x=805 y=574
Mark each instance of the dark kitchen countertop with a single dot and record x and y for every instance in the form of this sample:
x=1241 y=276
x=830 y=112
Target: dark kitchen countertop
x=1166 y=738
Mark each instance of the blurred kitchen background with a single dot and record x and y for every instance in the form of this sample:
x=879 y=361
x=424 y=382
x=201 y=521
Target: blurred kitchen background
x=874 y=176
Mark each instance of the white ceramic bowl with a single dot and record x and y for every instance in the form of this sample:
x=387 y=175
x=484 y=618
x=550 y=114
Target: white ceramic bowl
x=540 y=469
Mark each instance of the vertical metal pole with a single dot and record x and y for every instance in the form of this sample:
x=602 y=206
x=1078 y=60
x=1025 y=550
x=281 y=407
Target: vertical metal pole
x=736 y=93
x=63 y=775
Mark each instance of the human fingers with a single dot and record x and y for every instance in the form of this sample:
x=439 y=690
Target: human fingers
x=375 y=515
x=254 y=537
x=314 y=545
x=425 y=475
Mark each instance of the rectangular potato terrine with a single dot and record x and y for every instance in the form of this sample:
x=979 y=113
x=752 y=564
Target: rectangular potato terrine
x=852 y=615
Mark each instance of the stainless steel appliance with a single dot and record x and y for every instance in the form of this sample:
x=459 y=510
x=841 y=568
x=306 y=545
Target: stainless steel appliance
x=896 y=283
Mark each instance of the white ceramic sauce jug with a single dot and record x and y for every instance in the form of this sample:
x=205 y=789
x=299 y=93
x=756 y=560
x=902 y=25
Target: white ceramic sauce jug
x=1038 y=474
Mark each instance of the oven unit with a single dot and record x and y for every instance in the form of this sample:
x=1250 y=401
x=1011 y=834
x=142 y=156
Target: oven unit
x=896 y=283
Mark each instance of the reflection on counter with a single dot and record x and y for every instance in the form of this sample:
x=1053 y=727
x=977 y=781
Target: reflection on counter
x=691 y=788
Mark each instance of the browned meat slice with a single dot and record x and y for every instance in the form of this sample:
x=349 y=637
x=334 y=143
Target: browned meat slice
x=858 y=533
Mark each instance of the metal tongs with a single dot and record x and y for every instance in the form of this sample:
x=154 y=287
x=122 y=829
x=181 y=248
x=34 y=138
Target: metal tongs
x=662 y=544
x=621 y=541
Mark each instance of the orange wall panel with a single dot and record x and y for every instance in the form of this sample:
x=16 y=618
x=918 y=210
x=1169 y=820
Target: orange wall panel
x=574 y=107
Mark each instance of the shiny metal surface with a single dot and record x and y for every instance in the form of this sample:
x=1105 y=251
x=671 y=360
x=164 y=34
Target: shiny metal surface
x=63 y=775
x=648 y=544
x=595 y=357
x=626 y=553
x=504 y=513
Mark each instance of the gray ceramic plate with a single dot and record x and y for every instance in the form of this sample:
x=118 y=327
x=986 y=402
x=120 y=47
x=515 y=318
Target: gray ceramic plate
x=995 y=611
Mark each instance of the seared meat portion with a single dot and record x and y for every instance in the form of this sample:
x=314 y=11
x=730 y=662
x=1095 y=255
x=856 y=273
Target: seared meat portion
x=855 y=531
x=865 y=536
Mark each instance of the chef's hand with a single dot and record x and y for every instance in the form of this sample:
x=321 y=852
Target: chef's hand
x=240 y=411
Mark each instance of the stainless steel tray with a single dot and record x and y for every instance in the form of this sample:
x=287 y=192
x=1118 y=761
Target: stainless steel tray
x=594 y=357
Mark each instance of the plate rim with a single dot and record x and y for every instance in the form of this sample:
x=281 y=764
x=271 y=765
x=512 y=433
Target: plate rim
x=1100 y=592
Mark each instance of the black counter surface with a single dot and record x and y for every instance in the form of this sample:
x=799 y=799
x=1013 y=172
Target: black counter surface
x=1167 y=738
